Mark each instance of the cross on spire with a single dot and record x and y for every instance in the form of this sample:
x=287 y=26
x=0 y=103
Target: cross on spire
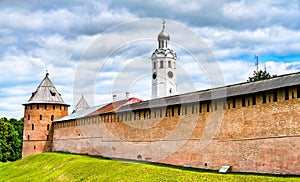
x=164 y=22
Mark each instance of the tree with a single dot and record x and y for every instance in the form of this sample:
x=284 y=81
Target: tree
x=10 y=139
x=260 y=75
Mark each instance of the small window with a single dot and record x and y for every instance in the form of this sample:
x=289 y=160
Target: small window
x=32 y=126
x=200 y=107
x=228 y=105
x=28 y=118
x=269 y=98
x=52 y=93
x=53 y=107
x=253 y=100
x=45 y=107
x=161 y=64
x=170 y=90
x=154 y=65
x=286 y=93
x=37 y=106
x=248 y=102
x=52 y=117
x=48 y=127
x=41 y=117
x=59 y=107
x=47 y=137
x=293 y=95
x=28 y=137
x=169 y=64
x=30 y=106
x=264 y=98
x=178 y=110
x=233 y=103
x=243 y=101
x=34 y=147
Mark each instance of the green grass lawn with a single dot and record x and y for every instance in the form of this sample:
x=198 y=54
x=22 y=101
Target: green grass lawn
x=70 y=167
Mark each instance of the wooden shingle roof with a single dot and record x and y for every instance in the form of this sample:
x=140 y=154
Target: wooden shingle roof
x=46 y=93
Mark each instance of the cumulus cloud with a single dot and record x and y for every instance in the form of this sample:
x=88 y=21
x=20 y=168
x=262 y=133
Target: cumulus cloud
x=94 y=39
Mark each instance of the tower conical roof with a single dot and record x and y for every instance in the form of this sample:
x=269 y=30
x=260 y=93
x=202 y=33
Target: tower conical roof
x=46 y=93
x=82 y=104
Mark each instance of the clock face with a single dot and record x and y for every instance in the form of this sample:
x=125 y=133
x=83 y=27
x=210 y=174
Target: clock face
x=154 y=76
x=170 y=74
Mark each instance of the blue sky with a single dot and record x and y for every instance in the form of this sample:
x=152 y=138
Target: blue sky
x=68 y=39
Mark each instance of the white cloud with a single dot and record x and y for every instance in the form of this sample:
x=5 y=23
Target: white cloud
x=40 y=36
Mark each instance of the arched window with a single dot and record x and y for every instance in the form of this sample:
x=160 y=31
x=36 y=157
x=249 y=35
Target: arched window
x=169 y=64
x=48 y=127
x=52 y=117
x=28 y=137
x=161 y=64
x=28 y=117
x=32 y=126
x=41 y=117
x=154 y=65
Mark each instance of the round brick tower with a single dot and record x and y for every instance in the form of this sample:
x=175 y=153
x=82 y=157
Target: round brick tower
x=44 y=106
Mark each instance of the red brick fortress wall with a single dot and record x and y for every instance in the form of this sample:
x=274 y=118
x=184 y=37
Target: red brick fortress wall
x=251 y=133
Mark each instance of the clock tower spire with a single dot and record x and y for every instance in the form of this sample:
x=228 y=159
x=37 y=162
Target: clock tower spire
x=164 y=81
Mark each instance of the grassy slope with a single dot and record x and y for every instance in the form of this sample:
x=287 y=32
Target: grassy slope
x=69 y=167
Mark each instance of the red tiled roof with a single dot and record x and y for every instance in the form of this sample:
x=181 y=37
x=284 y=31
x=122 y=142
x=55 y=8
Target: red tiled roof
x=114 y=106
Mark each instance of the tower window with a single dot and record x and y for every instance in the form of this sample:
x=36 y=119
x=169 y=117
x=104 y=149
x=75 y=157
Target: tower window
x=253 y=100
x=233 y=103
x=264 y=97
x=48 y=127
x=28 y=117
x=53 y=107
x=243 y=101
x=200 y=107
x=41 y=117
x=34 y=147
x=47 y=137
x=52 y=117
x=28 y=137
x=32 y=126
x=169 y=64
x=45 y=107
x=286 y=93
x=37 y=106
x=207 y=106
x=161 y=64
x=170 y=90
x=154 y=65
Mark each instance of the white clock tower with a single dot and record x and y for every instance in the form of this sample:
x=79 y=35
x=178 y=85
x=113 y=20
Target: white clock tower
x=163 y=68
